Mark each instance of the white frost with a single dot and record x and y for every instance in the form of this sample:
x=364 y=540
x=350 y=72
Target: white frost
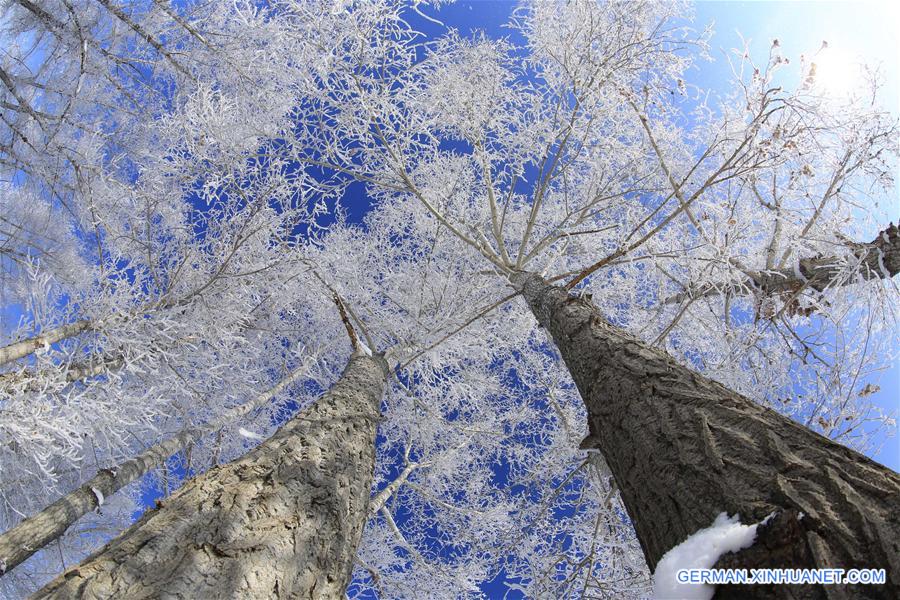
x=881 y=267
x=99 y=496
x=700 y=551
x=249 y=434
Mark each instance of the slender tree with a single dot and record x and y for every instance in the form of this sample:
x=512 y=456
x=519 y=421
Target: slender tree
x=29 y=536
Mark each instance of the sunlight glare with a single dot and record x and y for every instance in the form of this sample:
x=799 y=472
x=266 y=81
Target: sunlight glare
x=837 y=74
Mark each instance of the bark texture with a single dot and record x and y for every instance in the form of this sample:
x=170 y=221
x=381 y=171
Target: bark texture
x=284 y=521
x=684 y=448
x=35 y=532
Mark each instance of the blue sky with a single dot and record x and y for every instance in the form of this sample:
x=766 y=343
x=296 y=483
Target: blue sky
x=856 y=32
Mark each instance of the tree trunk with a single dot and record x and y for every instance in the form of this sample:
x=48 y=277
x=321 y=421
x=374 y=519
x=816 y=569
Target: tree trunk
x=76 y=371
x=684 y=448
x=879 y=259
x=26 y=347
x=283 y=521
x=20 y=542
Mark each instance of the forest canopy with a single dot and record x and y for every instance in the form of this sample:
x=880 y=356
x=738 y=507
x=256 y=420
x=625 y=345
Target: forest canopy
x=524 y=307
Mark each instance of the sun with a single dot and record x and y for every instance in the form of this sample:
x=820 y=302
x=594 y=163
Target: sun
x=836 y=72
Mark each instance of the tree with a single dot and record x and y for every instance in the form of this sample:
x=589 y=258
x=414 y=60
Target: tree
x=683 y=448
x=723 y=230
x=611 y=146
x=668 y=210
x=283 y=520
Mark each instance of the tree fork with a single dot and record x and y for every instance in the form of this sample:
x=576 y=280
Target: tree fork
x=283 y=521
x=684 y=448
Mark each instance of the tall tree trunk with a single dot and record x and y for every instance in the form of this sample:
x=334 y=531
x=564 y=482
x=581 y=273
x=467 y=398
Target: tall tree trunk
x=684 y=448
x=26 y=347
x=283 y=521
x=20 y=542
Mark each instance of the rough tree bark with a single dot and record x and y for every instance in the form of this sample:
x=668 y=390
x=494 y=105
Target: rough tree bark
x=38 y=530
x=684 y=448
x=283 y=521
